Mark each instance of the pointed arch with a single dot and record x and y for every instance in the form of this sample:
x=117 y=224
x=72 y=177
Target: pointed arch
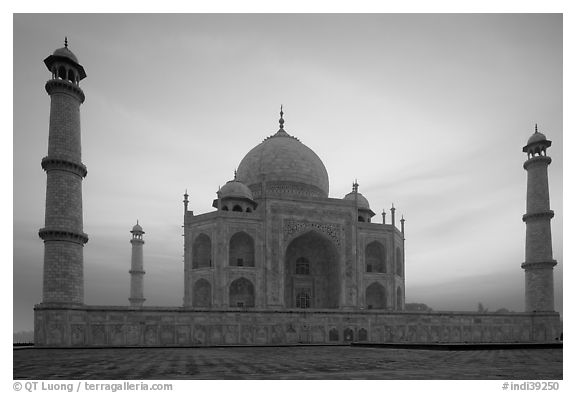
x=362 y=335
x=376 y=296
x=202 y=251
x=202 y=293
x=241 y=250
x=71 y=76
x=62 y=72
x=241 y=293
x=348 y=335
x=375 y=257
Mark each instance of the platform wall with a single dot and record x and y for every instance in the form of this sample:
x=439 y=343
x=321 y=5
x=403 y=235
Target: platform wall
x=154 y=326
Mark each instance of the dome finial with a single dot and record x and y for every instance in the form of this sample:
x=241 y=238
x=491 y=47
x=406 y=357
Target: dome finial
x=281 y=121
x=235 y=173
x=355 y=186
x=65 y=42
x=535 y=128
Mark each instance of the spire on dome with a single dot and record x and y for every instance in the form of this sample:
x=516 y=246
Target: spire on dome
x=281 y=121
x=65 y=42
x=535 y=128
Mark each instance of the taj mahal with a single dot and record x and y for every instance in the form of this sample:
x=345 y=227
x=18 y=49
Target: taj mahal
x=276 y=262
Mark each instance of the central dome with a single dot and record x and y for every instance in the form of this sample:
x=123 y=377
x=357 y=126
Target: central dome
x=287 y=165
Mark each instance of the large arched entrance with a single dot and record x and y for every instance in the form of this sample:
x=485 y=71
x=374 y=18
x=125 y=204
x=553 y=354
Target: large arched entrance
x=311 y=278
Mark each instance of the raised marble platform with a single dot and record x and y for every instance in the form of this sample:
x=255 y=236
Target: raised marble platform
x=85 y=326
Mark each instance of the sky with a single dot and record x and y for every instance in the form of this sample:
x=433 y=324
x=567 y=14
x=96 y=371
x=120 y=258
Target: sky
x=427 y=111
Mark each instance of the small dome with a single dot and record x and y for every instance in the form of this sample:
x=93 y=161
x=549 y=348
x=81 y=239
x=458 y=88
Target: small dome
x=65 y=52
x=137 y=228
x=235 y=189
x=536 y=137
x=362 y=201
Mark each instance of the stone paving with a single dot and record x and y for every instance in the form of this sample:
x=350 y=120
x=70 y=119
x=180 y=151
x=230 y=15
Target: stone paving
x=305 y=362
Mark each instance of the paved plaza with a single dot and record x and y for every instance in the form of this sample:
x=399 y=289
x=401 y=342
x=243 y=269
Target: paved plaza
x=306 y=362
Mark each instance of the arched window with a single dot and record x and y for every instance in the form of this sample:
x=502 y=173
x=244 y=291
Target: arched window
x=202 y=294
x=62 y=72
x=375 y=257
x=241 y=293
x=302 y=266
x=303 y=299
x=360 y=219
x=362 y=335
x=348 y=334
x=225 y=208
x=248 y=210
x=237 y=208
x=375 y=296
x=202 y=252
x=399 y=300
x=241 y=250
x=398 y=261
x=71 y=76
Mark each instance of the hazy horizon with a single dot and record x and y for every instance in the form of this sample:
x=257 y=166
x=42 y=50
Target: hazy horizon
x=428 y=111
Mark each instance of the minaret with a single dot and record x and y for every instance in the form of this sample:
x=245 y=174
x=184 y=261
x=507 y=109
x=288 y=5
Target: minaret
x=539 y=264
x=393 y=215
x=63 y=234
x=137 y=269
x=185 y=201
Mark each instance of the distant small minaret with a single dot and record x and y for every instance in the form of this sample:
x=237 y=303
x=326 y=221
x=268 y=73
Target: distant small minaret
x=539 y=264
x=137 y=270
x=185 y=201
x=393 y=214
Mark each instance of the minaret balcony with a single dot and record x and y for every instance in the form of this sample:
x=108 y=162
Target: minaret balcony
x=548 y=214
x=54 y=163
x=64 y=86
x=536 y=160
x=47 y=234
x=539 y=265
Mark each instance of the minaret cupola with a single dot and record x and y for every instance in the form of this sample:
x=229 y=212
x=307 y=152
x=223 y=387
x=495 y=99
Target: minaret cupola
x=64 y=65
x=537 y=144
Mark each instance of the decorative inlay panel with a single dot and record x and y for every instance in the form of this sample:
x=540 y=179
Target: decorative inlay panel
x=292 y=227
